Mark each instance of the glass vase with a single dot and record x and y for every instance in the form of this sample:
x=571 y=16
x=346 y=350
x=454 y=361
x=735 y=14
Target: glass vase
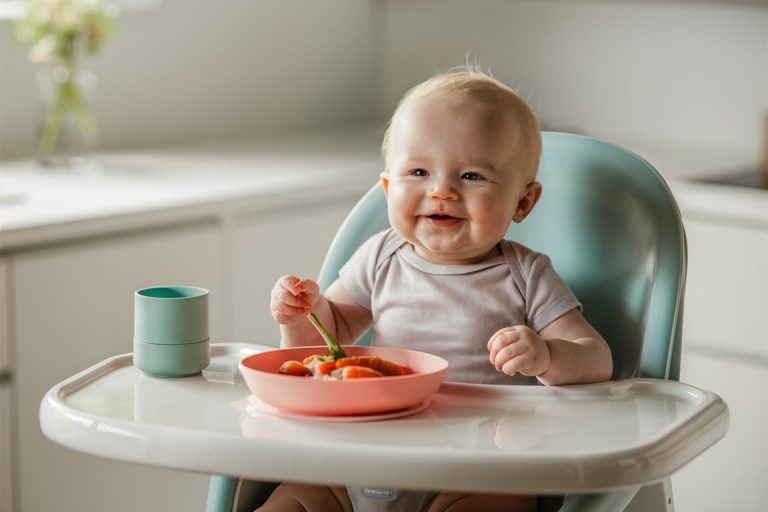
x=67 y=133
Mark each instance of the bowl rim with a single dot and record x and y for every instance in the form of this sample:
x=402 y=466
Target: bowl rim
x=440 y=360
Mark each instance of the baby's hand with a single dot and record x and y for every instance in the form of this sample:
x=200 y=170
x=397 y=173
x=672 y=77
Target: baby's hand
x=519 y=349
x=292 y=299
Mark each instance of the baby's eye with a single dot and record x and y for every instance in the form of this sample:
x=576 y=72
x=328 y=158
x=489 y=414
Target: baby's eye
x=471 y=176
x=418 y=172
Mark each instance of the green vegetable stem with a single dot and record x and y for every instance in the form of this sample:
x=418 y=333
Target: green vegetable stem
x=334 y=349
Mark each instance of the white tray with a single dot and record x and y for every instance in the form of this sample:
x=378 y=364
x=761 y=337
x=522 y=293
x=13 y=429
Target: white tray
x=532 y=439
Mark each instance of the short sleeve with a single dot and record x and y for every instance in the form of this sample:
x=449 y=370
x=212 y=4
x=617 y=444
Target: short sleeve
x=358 y=274
x=548 y=297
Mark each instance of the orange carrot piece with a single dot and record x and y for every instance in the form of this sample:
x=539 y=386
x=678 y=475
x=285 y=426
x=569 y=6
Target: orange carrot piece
x=387 y=368
x=355 y=372
x=325 y=368
x=295 y=368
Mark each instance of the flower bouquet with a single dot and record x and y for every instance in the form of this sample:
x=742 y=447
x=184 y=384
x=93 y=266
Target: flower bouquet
x=57 y=31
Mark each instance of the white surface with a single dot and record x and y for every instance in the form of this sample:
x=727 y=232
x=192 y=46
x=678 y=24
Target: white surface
x=291 y=240
x=160 y=81
x=5 y=359
x=73 y=307
x=721 y=203
x=686 y=73
x=727 y=290
x=182 y=184
x=472 y=437
x=6 y=457
x=204 y=215
x=733 y=474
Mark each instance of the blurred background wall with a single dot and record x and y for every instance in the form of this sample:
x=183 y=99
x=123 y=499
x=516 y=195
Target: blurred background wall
x=682 y=74
x=687 y=74
x=192 y=70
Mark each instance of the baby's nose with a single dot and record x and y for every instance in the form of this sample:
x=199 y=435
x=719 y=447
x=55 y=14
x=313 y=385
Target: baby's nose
x=442 y=189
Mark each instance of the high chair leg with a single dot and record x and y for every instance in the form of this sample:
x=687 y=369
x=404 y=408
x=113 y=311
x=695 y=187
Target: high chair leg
x=650 y=498
x=653 y=498
x=221 y=494
x=227 y=494
x=608 y=502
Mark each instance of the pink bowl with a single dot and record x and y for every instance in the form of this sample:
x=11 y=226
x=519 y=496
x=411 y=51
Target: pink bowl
x=343 y=398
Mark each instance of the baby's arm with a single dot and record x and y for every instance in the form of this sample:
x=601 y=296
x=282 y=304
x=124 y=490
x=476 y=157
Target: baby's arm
x=567 y=351
x=292 y=300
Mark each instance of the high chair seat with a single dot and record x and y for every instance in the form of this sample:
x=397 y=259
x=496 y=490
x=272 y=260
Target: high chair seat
x=613 y=231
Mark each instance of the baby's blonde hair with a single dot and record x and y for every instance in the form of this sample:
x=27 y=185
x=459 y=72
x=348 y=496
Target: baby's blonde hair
x=471 y=82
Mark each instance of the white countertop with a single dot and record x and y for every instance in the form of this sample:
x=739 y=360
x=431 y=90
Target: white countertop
x=167 y=185
x=726 y=204
x=171 y=185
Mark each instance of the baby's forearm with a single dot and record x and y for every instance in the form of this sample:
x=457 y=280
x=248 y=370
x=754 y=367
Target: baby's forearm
x=303 y=333
x=581 y=361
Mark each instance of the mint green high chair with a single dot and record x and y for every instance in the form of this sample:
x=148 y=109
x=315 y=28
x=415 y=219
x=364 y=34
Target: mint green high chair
x=613 y=231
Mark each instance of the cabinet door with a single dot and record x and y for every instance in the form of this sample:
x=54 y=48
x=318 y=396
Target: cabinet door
x=732 y=474
x=726 y=297
x=74 y=308
x=6 y=457
x=725 y=350
x=271 y=245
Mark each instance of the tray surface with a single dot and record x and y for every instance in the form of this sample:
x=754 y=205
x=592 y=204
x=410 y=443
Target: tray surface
x=554 y=439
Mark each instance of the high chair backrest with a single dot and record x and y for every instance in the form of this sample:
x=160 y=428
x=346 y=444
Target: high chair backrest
x=609 y=223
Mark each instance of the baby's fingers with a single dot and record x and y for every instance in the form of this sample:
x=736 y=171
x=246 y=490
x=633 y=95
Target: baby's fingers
x=501 y=339
x=290 y=284
x=287 y=314
x=526 y=363
x=308 y=288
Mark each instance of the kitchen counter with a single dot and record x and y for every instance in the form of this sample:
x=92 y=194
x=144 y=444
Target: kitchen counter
x=43 y=206
x=682 y=168
x=185 y=183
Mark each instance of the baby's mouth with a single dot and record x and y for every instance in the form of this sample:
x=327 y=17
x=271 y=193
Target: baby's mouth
x=439 y=219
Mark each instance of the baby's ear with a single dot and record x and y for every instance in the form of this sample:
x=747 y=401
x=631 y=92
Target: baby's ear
x=528 y=200
x=384 y=182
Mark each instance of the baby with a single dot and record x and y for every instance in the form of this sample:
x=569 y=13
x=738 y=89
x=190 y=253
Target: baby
x=461 y=154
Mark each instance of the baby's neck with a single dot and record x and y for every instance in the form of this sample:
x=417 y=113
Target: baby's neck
x=448 y=260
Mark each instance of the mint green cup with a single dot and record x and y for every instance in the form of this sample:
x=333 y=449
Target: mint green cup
x=170 y=330
x=170 y=315
x=163 y=360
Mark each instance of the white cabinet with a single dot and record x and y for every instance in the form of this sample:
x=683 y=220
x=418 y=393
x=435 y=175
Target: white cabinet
x=73 y=307
x=6 y=456
x=725 y=350
x=732 y=474
x=272 y=244
x=726 y=304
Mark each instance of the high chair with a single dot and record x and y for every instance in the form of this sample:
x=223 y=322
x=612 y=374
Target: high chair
x=613 y=231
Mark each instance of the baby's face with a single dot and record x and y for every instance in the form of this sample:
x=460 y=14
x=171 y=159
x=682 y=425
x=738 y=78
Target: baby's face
x=455 y=179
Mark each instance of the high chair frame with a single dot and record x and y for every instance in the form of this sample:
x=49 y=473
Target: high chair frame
x=613 y=231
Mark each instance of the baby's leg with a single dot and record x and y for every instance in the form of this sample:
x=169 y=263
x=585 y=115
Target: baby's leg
x=458 y=502
x=289 y=497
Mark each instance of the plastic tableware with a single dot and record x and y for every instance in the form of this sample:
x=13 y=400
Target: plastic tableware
x=170 y=330
x=302 y=395
x=170 y=315
x=164 y=360
x=257 y=408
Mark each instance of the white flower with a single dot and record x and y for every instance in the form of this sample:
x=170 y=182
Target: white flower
x=43 y=51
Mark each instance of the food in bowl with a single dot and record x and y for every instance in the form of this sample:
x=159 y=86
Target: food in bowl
x=331 y=397
x=343 y=368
